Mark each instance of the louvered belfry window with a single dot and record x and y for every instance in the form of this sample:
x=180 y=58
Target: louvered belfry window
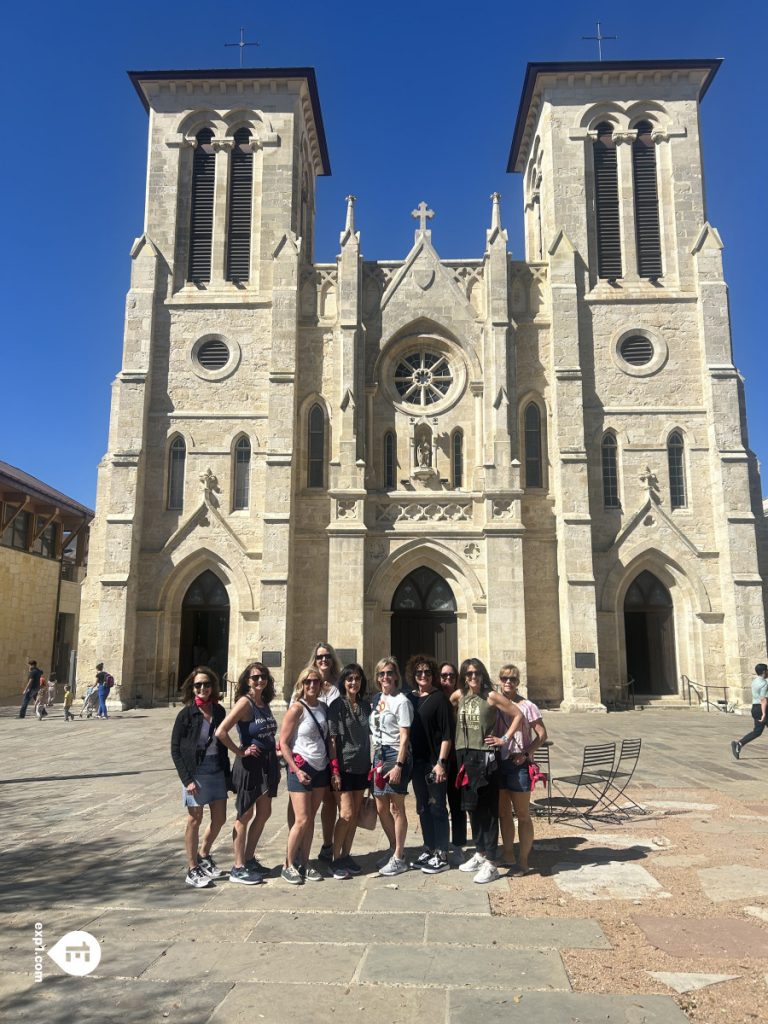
x=201 y=218
x=646 y=202
x=607 y=203
x=240 y=199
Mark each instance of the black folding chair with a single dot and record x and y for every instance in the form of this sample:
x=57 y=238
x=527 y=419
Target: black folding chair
x=542 y=805
x=589 y=786
x=620 y=778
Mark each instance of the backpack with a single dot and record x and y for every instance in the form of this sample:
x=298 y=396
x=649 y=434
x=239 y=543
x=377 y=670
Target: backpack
x=110 y=682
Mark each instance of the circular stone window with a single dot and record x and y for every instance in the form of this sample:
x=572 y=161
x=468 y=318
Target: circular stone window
x=423 y=378
x=213 y=358
x=638 y=352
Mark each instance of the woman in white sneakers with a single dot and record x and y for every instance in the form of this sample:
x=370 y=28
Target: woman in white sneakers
x=304 y=745
x=477 y=704
x=325 y=659
x=391 y=720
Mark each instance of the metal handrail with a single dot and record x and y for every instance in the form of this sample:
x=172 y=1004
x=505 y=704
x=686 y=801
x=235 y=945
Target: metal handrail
x=702 y=694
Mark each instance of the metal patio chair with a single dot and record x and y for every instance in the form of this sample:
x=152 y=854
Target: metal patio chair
x=588 y=786
x=543 y=805
x=620 y=778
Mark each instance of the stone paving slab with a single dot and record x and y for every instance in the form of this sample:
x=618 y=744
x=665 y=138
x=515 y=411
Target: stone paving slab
x=400 y=929
x=733 y=882
x=480 y=967
x=526 y=933
x=257 y=961
x=686 y=981
x=62 y=999
x=468 y=1007
x=707 y=936
x=267 y=1003
x=458 y=901
x=611 y=881
x=145 y=926
x=275 y=894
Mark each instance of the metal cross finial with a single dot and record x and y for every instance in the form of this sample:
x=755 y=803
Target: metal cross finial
x=422 y=213
x=599 y=39
x=242 y=44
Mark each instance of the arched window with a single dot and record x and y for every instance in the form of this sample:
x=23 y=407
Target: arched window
x=242 y=474
x=607 y=203
x=316 y=448
x=532 y=430
x=201 y=215
x=646 y=202
x=177 y=456
x=610 y=464
x=240 y=198
x=457 y=459
x=675 y=452
x=390 y=461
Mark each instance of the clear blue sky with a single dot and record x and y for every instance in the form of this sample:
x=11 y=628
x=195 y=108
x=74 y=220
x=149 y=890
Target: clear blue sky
x=419 y=102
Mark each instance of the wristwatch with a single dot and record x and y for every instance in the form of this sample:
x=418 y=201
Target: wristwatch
x=443 y=762
x=399 y=764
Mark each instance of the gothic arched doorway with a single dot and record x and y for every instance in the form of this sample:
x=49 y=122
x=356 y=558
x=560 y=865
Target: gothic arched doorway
x=649 y=629
x=424 y=617
x=204 y=626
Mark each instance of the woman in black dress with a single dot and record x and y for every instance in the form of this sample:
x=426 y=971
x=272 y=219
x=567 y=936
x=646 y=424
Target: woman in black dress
x=256 y=774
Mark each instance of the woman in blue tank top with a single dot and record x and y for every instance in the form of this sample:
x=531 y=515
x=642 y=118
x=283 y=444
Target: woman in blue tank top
x=256 y=774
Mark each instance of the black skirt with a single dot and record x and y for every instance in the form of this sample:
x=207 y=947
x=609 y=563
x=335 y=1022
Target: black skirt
x=254 y=777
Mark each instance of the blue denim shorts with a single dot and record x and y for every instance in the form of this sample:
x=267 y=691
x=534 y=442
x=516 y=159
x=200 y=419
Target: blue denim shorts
x=212 y=782
x=514 y=777
x=320 y=778
x=387 y=756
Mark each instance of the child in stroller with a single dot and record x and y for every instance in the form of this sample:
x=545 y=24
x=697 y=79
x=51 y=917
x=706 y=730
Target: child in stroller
x=90 y=701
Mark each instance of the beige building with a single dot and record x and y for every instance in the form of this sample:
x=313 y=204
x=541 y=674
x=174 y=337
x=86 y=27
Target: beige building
x=541 y=460
x=43 y=549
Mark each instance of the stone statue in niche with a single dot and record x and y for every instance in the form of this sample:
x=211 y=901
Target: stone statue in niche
x=424 y=454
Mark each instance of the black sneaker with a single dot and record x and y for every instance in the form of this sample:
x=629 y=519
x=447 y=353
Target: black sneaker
x=244 y=876
x=422 y=859
x=436 y=864
x=351 y=865
x=209 y=867
x=736 y=749
x=197 y=878
x=326 y=853
x=339 y=869
x=256 y=867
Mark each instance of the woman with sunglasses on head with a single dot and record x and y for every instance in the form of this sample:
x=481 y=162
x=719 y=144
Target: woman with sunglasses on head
x=514 y=779
x=449 y=680
x=256 y=773
x=348 y=720
x=431 y=742
x=391 y=720
x=326 y=661
x=477 y=703
x=203 y=766
x=304 y=745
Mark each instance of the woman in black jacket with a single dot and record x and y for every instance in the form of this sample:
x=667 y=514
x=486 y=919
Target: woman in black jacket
x=202 y=762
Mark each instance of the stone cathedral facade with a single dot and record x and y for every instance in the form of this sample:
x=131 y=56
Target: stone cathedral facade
x=539 y=460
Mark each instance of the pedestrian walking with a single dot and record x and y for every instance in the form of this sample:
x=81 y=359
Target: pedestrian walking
x=759 y=709
x=102 y=688
x=68 y=698
x=51 y=694
x=34 y=675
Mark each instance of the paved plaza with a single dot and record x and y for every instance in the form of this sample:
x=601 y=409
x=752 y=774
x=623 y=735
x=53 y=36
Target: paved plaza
x=660 y=920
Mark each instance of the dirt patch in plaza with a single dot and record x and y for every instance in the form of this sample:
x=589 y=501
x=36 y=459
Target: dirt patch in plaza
x=690 y=842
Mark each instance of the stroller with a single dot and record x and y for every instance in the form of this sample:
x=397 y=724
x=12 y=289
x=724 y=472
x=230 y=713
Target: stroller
x=90 y=702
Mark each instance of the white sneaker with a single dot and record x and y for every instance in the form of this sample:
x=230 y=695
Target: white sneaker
x=487 y=873
x=474 y=863
x=394 y=867
x=385 y=859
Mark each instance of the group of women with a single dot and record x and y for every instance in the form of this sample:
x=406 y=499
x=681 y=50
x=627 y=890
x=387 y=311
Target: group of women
x=465 y=745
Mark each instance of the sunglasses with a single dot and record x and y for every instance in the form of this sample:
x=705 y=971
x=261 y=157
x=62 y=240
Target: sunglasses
x=423 y=672
x=386 y=672
x=202 y=686
x=313 y=682
x=323 y=657
x=510 y=679
x=447 y=675
x=257 y=676
x=353 y=679
x=473 y=675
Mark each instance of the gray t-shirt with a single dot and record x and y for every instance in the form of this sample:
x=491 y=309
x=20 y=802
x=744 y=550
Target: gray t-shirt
x=349 y=727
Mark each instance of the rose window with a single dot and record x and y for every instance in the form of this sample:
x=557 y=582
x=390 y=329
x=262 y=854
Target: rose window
x=423 y=377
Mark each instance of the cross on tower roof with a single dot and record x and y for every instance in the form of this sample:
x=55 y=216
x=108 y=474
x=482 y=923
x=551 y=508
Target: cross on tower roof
x=422 y=213
x=242 y=44
x=599 y=38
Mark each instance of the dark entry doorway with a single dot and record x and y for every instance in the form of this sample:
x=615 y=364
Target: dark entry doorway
x=424 y=618
x=649 y=628
x=204 y=626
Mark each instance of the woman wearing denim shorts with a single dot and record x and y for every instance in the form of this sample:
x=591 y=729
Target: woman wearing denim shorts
x=391 y=720
x=304 y=745
x=517 y=751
